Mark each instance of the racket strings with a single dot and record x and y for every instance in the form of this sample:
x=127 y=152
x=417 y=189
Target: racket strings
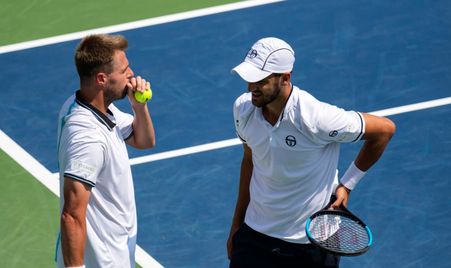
x=339 y=233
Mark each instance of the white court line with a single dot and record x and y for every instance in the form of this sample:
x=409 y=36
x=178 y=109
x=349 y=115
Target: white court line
x=185 y=151
x=236 y=141
x=135 y=24
x=29 y=163
x=413 y=107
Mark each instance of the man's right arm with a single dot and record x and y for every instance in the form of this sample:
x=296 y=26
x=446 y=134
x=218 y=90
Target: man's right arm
x=73 y=221
x=243 y=196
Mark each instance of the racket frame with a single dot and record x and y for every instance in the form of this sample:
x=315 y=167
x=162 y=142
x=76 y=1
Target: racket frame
x=343 y=212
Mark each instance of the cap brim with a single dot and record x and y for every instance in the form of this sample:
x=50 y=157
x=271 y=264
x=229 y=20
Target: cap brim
x=250 y=73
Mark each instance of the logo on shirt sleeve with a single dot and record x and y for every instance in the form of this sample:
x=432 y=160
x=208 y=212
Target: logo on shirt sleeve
x=333 y=133
x=84 y=170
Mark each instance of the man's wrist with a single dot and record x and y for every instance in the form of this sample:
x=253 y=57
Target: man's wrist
x=352 y=176
x=344 y=187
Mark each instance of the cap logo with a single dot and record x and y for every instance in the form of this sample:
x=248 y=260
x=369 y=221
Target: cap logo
x=252 y=53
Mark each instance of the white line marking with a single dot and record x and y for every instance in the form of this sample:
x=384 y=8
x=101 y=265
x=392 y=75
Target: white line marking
x=136 y=24
x=236 y=141
x=145 y=260
x=413 y=107
x=29 y=163
x=185 y=151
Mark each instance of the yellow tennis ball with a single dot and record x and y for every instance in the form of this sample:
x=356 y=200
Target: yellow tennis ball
x=143 y=97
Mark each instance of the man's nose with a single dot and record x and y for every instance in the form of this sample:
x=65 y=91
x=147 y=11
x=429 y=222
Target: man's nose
x=131 y=73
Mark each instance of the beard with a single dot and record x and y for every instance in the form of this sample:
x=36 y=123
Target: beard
x=113 y=95
x=124 y=93
x=264 y=99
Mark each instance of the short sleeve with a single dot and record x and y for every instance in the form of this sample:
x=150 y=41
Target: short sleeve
x=83 y=159
x=338 y=125
x=328 y=123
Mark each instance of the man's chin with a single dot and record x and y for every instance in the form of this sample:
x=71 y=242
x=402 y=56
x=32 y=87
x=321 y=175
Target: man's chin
x=124 y=94
x=257 y=103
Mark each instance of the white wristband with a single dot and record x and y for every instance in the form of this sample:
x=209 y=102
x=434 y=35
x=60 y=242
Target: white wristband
x=352 y=176
x=76 y=266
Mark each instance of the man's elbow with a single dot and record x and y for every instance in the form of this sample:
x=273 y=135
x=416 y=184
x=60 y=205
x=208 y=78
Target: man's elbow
x=390 y=128
x=149 y=144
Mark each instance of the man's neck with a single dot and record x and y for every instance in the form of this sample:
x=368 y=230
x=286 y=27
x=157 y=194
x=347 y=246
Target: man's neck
x=95 y=98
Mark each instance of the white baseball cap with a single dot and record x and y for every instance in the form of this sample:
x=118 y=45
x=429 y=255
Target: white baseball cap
x=267 y=56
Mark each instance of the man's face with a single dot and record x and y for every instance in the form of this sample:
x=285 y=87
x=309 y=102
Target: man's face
x=265 y=91
x=119 y=77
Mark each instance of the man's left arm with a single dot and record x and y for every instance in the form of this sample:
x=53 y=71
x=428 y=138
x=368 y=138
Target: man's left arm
x=378 y=132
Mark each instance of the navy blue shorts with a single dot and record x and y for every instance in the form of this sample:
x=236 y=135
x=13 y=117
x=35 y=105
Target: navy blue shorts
x=254 y=249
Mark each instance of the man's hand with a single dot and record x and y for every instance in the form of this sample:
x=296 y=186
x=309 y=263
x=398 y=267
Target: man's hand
x=136 y=84
x=342 y=195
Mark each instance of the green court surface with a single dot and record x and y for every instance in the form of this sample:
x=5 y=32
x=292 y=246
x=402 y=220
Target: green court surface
x=29 y=218
x=24 y=20
x=29 y=222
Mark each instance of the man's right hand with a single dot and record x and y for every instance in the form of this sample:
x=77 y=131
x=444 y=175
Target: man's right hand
x=233 y=230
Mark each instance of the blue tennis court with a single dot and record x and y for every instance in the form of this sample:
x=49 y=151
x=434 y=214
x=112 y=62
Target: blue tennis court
x=365 y=55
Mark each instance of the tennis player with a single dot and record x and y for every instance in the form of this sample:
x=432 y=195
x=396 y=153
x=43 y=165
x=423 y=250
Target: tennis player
x=98 y=212
x=291 y=145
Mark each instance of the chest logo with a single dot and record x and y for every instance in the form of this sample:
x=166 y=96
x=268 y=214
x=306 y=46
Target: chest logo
x=290 y=140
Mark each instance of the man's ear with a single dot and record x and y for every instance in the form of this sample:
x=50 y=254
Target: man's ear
x=101 y=79
x=286 y=77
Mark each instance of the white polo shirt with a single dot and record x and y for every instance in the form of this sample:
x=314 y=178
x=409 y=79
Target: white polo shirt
x=295 y=161
x=91 y=149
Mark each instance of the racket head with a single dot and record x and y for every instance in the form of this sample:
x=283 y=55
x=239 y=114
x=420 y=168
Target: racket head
x=339 y=232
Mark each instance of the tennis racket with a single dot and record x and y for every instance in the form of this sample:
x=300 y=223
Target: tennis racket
x=338 y=231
